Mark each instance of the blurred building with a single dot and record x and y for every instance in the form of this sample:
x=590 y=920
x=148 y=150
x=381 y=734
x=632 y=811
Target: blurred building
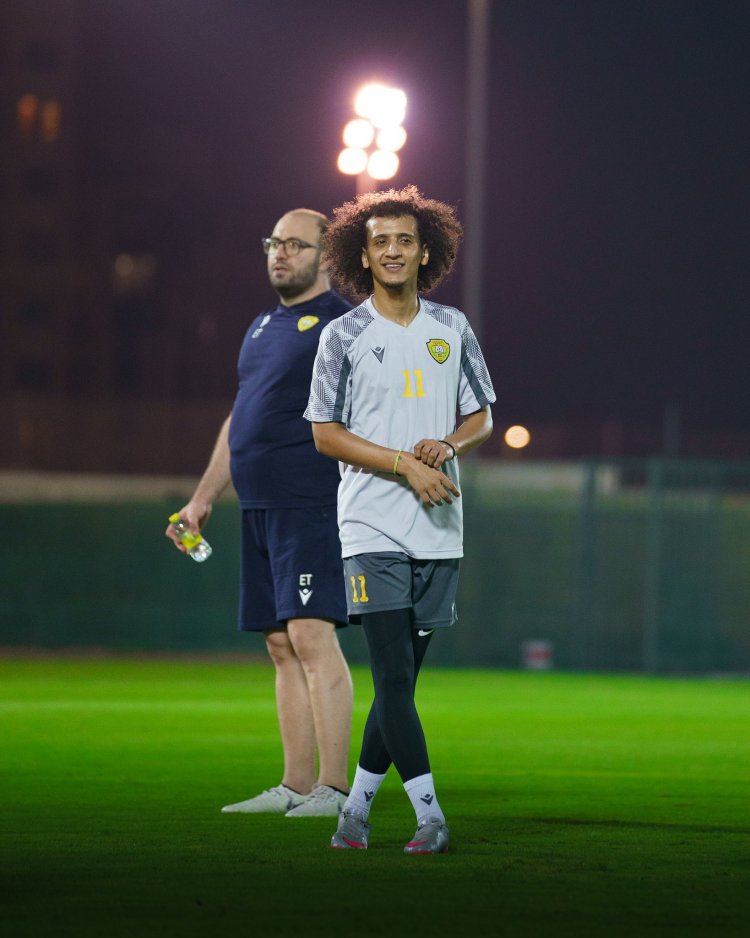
x=44 y=328
x=111 y=237
x=130 y=218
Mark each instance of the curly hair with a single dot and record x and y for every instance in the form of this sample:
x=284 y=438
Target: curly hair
x=346 y=236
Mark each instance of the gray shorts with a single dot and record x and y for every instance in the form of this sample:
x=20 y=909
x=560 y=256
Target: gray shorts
x=391 y=580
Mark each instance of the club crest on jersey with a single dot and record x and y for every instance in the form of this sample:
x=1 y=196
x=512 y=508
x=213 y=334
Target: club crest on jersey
x=307 y=322
x=439 y=350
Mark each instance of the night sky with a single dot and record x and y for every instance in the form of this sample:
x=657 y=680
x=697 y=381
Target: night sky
x=617 y=206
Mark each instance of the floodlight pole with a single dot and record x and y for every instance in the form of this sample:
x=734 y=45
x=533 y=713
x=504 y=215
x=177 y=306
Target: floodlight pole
x=476 y=163
x=365 y=183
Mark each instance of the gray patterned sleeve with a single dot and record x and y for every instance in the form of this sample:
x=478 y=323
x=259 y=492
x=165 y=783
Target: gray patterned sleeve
x=329 y=378
x=475 y=373
x=330 y=393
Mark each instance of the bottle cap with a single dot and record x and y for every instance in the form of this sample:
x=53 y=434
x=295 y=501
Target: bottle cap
x=174 y=517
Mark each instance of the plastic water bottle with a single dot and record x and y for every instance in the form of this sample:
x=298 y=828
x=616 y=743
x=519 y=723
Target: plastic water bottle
x=196 y=545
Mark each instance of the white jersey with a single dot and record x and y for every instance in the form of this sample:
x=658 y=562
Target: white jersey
x=395 y=386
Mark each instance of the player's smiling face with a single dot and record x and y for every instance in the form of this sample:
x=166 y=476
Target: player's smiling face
x=393 y=253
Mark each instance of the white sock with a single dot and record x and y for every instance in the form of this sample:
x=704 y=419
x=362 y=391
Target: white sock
x=421 y=792
x=364 y=788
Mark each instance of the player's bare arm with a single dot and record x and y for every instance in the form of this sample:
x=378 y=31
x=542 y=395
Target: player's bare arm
x=475 y=429
x=213 y=482
x=431 y=485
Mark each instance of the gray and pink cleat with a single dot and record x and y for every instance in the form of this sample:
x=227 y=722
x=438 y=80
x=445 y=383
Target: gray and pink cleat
x=352 y=832
x=432 y=836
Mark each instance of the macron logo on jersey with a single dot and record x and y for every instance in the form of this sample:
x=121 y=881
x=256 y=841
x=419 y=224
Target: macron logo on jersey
x=305 y=591
x=264 y=322
x=378 y=353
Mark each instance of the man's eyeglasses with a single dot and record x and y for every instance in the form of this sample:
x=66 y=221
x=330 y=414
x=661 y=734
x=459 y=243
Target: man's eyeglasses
x=292 y=246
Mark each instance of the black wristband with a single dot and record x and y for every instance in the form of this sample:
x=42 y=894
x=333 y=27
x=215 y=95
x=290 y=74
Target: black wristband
x=452 y=448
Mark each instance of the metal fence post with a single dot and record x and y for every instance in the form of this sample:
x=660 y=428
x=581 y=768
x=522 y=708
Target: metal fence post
x=653 y=563
x=583 y=619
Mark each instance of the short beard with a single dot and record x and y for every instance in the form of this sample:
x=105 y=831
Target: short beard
x=297 y=285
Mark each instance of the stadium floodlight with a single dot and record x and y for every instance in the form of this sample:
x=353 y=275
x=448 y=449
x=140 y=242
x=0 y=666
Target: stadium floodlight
x=381 y=105
x=391 y=138
x=358 y=133
x=383 y=164
x=352 y=161
x=373 y=138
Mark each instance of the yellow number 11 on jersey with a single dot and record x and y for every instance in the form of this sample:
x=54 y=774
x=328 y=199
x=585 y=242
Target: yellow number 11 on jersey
x=419 y=392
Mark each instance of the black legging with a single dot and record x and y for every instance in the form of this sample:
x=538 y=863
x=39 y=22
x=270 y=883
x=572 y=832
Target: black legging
x=393 y=731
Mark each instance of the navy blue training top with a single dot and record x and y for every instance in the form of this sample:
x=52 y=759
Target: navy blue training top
x=274 y=462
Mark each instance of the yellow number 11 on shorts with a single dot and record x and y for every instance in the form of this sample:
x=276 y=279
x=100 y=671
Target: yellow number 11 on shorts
x=363 y=597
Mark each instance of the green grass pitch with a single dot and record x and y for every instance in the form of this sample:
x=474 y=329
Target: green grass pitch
x=578 y=805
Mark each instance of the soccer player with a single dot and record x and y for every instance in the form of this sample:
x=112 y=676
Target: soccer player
x=291 y=575
x=389 y=379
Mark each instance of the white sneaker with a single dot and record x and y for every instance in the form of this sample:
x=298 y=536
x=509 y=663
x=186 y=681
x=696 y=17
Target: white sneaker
x=276 y=800
x=323 y=801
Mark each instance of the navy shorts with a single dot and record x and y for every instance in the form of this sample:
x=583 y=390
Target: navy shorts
x=385 y=580
x=290 y=568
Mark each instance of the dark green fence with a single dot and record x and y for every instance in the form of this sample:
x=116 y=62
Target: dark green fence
x=629 y=565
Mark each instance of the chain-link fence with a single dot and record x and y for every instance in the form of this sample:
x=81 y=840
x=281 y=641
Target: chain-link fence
x=639 y=565
x=629 y=564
